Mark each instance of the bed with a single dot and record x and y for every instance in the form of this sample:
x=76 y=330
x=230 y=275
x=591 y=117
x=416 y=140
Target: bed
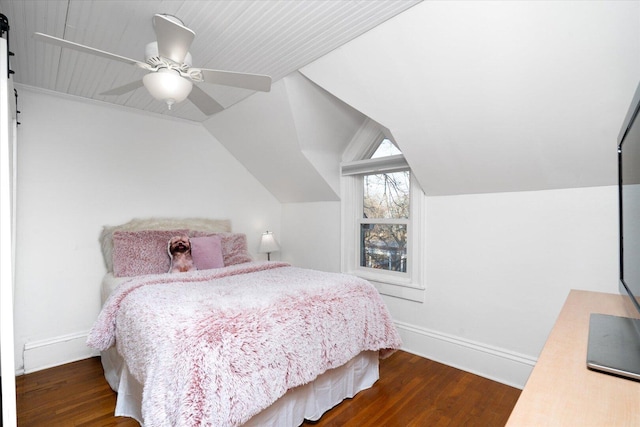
x=257 y=343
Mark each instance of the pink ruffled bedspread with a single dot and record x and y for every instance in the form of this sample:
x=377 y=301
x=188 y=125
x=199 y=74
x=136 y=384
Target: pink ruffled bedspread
x=216 y=347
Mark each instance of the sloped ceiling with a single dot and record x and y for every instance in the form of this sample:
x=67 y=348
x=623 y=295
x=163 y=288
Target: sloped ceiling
x=290 y=139
x=273 y=37
x=324 y=126
x=481 y=97
x=487 y=97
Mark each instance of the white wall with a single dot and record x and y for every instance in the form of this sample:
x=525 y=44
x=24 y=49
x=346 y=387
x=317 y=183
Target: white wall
x=83 y=165
x=311 y=235
x=498 y=269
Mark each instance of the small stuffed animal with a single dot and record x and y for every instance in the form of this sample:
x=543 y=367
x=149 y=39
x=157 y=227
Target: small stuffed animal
x=179 y=249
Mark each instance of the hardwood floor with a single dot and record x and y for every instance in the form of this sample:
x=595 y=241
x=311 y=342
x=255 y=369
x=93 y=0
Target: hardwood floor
x=75 y=394
x=412 y=391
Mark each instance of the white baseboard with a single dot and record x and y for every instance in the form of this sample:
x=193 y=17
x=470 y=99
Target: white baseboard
x=56 y=351
x=490 y=362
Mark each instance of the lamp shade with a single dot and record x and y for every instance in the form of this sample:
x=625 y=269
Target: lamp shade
x=268 y=243
x=168 y=86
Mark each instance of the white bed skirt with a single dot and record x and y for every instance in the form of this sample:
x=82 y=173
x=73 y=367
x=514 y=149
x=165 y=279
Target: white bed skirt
x=309 y=401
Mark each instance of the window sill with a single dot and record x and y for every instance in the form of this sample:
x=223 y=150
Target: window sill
x=394 y=287
x=411 y=293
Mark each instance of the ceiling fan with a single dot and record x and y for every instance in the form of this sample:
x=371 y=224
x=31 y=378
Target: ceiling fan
x=171 y=76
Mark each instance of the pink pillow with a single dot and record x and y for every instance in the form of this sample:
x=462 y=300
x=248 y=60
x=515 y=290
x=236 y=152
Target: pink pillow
x=206 y=252
x=234 y=247
x=142 y=252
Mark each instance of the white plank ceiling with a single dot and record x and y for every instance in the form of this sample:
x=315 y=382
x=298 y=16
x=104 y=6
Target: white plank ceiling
x=272 y=37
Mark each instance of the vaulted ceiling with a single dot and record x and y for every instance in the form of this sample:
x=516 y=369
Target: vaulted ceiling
x=481 y=97
x=272 y=37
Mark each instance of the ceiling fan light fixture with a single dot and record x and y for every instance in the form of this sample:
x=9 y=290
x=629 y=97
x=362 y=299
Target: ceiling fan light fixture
x=168 y=86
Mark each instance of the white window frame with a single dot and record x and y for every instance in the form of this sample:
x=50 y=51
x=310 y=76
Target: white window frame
x=407 y=285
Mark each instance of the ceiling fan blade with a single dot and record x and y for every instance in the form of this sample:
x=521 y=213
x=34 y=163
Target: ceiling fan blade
x=174 y=40
x=244 y=80
x=82 y=48
x=204 y=102
x=121 y=90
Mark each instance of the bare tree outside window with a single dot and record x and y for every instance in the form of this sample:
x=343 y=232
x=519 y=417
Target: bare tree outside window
x=386 y=197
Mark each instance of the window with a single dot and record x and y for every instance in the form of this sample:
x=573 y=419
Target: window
x=385 y=216
x=381 y=219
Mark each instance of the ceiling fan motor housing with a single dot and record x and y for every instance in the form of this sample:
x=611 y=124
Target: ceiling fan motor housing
x=152 y=56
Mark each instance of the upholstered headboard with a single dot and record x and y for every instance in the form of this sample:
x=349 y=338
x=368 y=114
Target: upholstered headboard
x=202 y=225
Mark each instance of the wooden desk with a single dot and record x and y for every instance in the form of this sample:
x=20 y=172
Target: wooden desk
x=561 y=391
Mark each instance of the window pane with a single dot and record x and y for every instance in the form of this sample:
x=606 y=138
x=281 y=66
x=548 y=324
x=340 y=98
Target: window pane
x=384 y=246
x=386 y=148
x=386 y=195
